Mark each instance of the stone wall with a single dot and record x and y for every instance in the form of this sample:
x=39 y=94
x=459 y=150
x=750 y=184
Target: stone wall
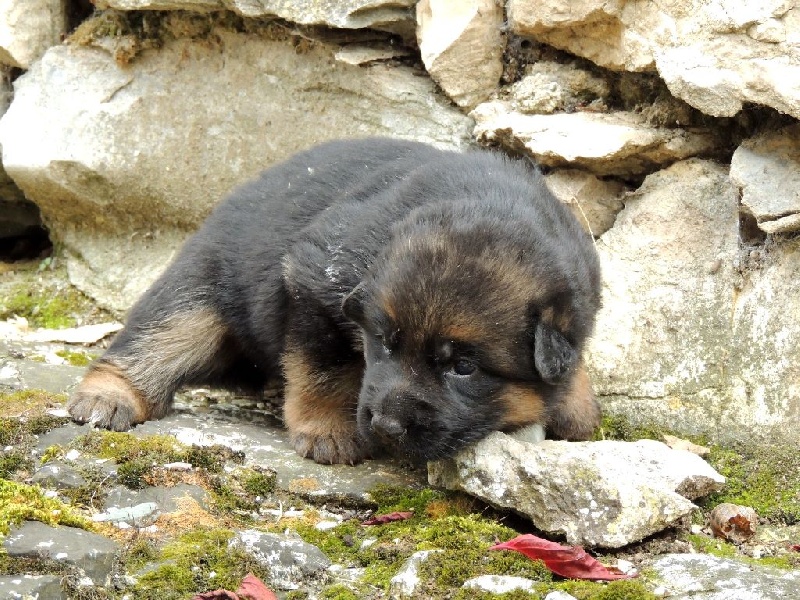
x=669 y=127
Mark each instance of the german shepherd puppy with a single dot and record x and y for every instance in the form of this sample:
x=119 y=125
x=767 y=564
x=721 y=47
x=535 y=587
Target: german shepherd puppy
x=413 y=300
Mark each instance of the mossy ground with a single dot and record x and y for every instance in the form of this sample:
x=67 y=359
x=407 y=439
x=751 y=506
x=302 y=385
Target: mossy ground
x=40 y=292
x=190 y=552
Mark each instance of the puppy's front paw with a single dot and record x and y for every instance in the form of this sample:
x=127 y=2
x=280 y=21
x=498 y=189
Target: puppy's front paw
x=106 y=399
x=329 y=449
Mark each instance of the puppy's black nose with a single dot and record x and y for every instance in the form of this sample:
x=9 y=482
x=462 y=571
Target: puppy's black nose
x=387 y=427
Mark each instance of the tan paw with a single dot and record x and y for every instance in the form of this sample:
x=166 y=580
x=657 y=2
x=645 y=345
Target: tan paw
x=330 y=449
x=105 y=399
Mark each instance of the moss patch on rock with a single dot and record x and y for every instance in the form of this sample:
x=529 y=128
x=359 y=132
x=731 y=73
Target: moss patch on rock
x=49 y=305
x=196 y=561
x=20 y=502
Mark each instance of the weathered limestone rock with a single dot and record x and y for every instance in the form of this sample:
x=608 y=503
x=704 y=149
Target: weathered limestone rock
x=123 y=162
x=91 y=552
x=28 y=28
x=767 y=170
x=704 y=577
x=713 y=55
x=462 y=47
x=31 y=586
x=406 y=581
x=605 y=144
x=694 y=331
x=549 y=86
x=606 y=493
x=289 y=559
x=350 y=14
x=499 y=584
x=594 y=202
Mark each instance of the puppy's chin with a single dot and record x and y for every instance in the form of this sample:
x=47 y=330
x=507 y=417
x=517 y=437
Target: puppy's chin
x=421 y=444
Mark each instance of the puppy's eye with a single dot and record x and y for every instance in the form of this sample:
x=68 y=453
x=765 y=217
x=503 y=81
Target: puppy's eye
x=464 y=367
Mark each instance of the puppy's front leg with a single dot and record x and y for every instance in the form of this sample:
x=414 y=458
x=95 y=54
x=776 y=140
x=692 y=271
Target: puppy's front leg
x=320 y=407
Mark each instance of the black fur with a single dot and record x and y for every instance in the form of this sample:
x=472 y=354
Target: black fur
x=310 y=254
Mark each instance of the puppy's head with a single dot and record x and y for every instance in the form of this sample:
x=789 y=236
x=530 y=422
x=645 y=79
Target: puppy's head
x=466 y=330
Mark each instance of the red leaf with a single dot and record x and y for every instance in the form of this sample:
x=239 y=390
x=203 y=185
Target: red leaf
x=571 y=562
x=796 y=547
x=252 y=588
x=395 y=516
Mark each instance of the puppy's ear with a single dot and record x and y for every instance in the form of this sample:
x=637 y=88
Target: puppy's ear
x=553 y=354
x=353 y=304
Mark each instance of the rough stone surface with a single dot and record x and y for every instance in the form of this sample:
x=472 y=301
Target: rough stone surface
x=37 y=587
x=767 y=170
x=58 y=475
x=549 y=86
x=686 y=336
x=406 y=581
x=462 y=47
x=122 y=170
x=350 y=14
x=499 y=584
x=703 y=577
x=595 y=202
x=289 y=559
x=28 y=29
x=714 y=55
x=91 y=552
x=610 y=143
x=620 y=492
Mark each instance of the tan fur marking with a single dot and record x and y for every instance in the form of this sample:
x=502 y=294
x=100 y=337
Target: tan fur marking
x=107 y=399
x=183 y=344
x=523 y=406
x=579 y=413
x=465 y=332
x=320 y=410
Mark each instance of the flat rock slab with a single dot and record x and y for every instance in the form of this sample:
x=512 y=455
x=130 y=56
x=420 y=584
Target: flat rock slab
x=608 y=493
x=620 y=143
x=31 y=586
x=289 y=559
x=92 y=552
x=704 y=577
x=269 y=446
x=766 y=169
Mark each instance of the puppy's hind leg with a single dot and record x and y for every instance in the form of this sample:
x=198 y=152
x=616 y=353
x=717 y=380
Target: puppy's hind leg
x=136 y=378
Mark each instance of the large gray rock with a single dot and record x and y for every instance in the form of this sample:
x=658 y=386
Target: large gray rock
x=289 y=559
x=462 y=44
x=89 y=551
x=704 y=577
x=604 y=143
x=714 y=55
x=28 y=28
x=767 y=170
x=123 y=162
x=23 y=587
x=350 y=14
x=607 y=493
x=695 y=333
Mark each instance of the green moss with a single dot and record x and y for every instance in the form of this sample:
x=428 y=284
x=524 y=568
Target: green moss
x=196 y=561
x=52 y=307
x=335 y=592
x=718 y=547
x=20 y=502
x=12 y=461
x=259 y=482
x=394 y=498
x=622 y=589
x=76 y=359
x=29 y=402
x=617 y=427
x=765 y=478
